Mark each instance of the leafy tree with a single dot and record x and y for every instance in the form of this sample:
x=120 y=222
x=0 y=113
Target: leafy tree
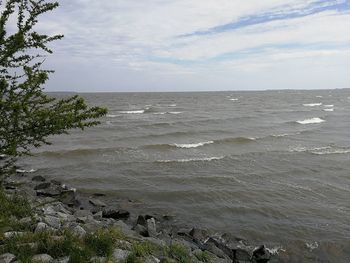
x=27 y=114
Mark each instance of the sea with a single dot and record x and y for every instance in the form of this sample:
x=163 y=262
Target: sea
x=270 y=167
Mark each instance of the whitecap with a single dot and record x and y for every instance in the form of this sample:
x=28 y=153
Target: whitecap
x=331 y=151
x=172 y=105
x=328 y=109
x=192 y=160
x=319 y=96
x=159 y=113
x=311 y=121
x=111 y=115
x=328 y=106
x=192 y=145
x=312 y=104
x=312 y=246
x=234 y=99
x=275 y=250
x=25 y=171
x=280 y=135
x=175 y=112
x=133 y=111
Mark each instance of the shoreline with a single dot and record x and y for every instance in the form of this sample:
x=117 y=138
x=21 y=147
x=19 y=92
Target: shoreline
x=58 y=207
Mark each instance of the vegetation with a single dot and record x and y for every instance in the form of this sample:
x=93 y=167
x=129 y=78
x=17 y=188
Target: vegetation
x=28 y=116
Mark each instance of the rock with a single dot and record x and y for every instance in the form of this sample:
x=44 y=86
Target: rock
x=261 y=255
x=98 y=215
x=97 y=260
x=7 y=258
x=96 y=202
x=151 y=227
x=141 y=220
x=223 y=247
x=13 y=234
x=211 y=247
x=42 y=258
x=62 y=260
x=152 y=259
x=142 y=230
x=50 y=192
x=55 y=182
x=38 y=178
x=68 y=197
x=82 y=213
x=42 y=186
x=41 y=227
x=78 y=231
x=53 y=221
x=119 y=254
x=116 y=214
x=241 y=256
x=25 y=220
x=199 y=235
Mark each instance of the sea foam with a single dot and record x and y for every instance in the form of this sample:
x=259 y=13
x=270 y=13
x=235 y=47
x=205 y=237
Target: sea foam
x=192 y=145
x=311 y=121
x=133 y=112
x=312 y=104
x=204 y=159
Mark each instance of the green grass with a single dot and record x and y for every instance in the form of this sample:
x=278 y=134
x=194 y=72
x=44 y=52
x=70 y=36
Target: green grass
x=203 y=256
x=179 y=253
x=13 y=209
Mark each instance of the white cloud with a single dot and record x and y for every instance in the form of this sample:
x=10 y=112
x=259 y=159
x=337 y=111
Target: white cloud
x=143 y=36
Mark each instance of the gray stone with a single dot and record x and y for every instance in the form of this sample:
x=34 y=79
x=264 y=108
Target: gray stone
x=152 y=259
x=96 y=202
x=62 y=260
x=151 y=227
x=199 y=235
x=78 y=231
x=82 y=213
x=25 y=220
x=119 y=254
x=42 y=258
x=42 y=186
x=38 y=178
x=7 y=258
x=141 y=230
x=41 y=227
x=261 y=255
x=53 y=221
x=241 y=255
x=13 y=234
x=98 y=260
x=68 y=197
x=98 y=216
x=50 y=192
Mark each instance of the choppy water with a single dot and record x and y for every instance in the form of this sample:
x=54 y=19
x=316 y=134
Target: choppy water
x=271 y=167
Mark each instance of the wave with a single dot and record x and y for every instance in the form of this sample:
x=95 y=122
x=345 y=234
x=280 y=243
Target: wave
x=323 y=150
x=234 y=99
x=167 y=112
x=312 y=104
x=204 y=159
x=328 y=106
x=133 y=111
x=112 y=115
x=311 y=121
x=236 y=140
x=192 y=145
x=328 y=109
x=21 y=171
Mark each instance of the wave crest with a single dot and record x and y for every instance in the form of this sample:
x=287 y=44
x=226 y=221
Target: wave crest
x=311 y=121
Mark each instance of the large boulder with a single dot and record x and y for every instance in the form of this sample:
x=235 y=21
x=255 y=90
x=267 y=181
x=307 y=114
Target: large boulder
x=261 y=255
x=7 y=258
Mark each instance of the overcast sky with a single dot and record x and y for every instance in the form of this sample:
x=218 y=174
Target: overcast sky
x=176 y=45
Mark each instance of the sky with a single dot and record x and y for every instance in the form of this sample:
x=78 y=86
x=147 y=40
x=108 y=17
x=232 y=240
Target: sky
x=199 y=45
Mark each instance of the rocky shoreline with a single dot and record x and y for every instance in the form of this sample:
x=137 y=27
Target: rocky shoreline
x=57 y=207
